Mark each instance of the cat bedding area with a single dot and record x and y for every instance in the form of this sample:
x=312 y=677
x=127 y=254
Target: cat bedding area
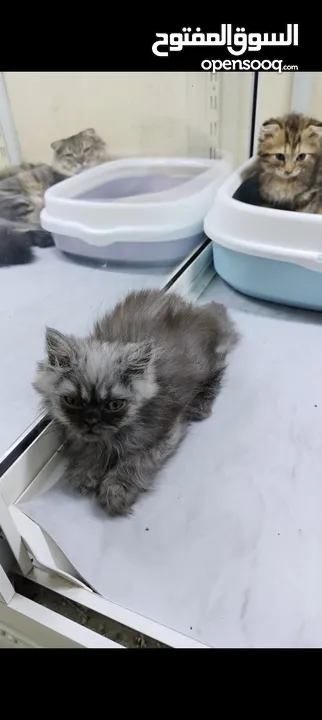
x=273 y=255
x=135 y=210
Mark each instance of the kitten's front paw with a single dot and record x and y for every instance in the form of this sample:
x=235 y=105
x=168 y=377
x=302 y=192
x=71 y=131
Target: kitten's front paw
x=42 y=239
x=117 y=499
x=81 y=486
x=84 y=484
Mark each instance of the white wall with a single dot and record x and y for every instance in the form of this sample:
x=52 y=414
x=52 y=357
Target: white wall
x=300 y=91
x=314 y=106
x=135 y=113
x=274 y=96
x=235 y=111
x=183 y=114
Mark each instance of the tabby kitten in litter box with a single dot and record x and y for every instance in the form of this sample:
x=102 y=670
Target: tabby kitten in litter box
x=22 y=191
x=124 y=396
x=289 y=163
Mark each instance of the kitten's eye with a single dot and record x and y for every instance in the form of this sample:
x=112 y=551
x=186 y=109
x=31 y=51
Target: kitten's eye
x=68 y=156
x=87 y=150
x=280 y=157
x=301 y=157
x=71 y=401
x=114 y=405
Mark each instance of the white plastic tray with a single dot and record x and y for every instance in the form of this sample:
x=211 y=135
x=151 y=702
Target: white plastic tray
x=137 y=210
x=281 y=235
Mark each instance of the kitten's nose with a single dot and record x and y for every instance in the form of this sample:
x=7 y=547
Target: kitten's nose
x=91 y=418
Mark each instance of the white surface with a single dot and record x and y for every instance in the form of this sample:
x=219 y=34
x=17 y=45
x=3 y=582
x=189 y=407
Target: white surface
x=263 y=232
x=13 y=536
x=41 y=547
x=127 y=618
x=30 y=624
x=165 y=215
x=51 y=291
x=232 y=554
x=6 y=589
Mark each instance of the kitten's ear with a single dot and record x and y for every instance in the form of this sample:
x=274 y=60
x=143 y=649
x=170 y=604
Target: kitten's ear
x=59 y=348
x=138 y=357
x=90 y=132
x=57 y=145
x=268 y=129
x=315 y=129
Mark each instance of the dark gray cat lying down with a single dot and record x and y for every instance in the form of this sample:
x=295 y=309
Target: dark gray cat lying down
x=124 y=396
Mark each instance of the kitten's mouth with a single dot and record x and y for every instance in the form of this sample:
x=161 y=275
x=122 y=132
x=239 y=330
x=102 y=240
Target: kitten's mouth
x=95 y=434
x=291 y=176
x=91 y=432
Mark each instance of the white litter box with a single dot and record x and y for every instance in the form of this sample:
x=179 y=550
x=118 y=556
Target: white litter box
x=273 y=255
x=147 y=210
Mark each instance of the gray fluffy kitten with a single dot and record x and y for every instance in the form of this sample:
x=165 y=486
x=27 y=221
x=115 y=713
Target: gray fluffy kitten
x=125 y=395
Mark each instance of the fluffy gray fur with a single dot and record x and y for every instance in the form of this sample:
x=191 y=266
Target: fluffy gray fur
x=22 y=194
x=21 y=199
x=22 y=190
x=124 y=396
x=12 y=170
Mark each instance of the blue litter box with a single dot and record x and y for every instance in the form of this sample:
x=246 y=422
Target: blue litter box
x=272 y=255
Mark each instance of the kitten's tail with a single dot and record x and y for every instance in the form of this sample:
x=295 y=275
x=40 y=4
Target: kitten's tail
x=15 y=245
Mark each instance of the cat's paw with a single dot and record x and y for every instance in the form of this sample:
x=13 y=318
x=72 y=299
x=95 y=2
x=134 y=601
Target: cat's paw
x=116 y=499
x=83 y=484
x=42 y=239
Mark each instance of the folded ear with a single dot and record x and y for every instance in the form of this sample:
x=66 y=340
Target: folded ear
x=60 y=348
x=269 y=128
x=138 y=357
x=315 y=130
x=57 y=145
x=90 y=132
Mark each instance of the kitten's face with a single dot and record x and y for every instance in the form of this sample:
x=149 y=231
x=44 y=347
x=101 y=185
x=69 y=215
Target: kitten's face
x=94 y=389
x=79 y=152
x=289 y=147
